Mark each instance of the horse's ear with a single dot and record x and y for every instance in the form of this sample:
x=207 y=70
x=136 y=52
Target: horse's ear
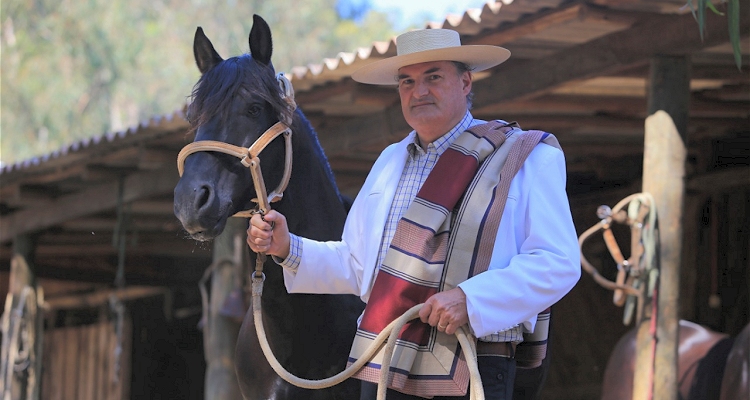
x=205 y=55
x=261 y=46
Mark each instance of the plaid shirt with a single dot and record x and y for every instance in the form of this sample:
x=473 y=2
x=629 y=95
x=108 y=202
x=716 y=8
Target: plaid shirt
x=418 y=167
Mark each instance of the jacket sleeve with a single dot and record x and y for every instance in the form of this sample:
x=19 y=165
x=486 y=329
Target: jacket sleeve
x=331 y=266
x=536 y=259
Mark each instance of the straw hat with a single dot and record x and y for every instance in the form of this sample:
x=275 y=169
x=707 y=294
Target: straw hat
x=429 y=45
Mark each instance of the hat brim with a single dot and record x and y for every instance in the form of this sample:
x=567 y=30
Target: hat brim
x=385 y=71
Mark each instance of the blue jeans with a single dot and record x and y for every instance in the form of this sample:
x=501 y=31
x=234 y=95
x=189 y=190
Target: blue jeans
x=498 y=374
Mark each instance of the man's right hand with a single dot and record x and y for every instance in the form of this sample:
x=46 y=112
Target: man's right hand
x=269 y=234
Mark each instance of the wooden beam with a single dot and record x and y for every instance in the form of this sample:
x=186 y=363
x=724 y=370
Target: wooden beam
x=167 y=271
x=150 y=159
x=718 y=181
x=20 y=196
x=97 y=225
x=568 y=105
x=62 y=173
x=87 y=202
x=388 y=127
x=723 y=72
x=726 y=71
x=101 y=297
x=351 y=165
x=148 y=245
x=608 y=128
x=707 y=129
x=153 y=207
x=664 y=158
x=671 y=34
x=739 y=93
x=546 y=20
x=585 y=149
x=220 y=332
x=324 y=92
x=669 y=90
x=702 y=105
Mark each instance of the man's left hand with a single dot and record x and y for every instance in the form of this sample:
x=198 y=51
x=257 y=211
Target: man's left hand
x=446 y=310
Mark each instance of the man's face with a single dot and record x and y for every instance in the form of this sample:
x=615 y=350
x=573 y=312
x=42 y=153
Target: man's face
x=433 y=97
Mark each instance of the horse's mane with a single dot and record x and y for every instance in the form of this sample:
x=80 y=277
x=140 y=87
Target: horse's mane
x=214 y=90
x=318 y=150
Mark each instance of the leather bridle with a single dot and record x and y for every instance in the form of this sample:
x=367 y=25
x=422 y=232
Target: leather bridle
x=249 y=156
x=635 y=272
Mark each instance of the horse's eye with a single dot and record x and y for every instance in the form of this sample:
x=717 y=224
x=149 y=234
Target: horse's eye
x=255 y=110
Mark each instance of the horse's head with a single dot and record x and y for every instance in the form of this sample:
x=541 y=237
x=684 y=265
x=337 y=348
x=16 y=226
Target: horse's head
x=235 y=101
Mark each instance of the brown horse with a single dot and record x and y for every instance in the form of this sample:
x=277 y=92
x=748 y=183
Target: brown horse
x=704 y=358
x=736 y=382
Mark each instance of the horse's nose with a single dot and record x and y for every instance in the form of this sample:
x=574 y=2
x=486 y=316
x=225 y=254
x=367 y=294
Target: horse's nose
x=202 y=197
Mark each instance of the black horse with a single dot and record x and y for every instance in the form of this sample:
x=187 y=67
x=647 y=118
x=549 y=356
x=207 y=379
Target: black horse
x=234 y=102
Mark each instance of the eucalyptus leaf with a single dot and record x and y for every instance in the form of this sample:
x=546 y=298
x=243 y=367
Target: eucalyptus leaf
x=702 y=16
x=733 y=17
x=712 y=7
x=733 y=11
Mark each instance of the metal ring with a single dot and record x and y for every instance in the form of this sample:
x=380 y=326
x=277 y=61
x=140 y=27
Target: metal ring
x=263 y=215
x=262 y=277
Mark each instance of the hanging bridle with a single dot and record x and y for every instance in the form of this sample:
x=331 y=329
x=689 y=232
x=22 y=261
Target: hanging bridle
x=249 y=156
x=635 y=272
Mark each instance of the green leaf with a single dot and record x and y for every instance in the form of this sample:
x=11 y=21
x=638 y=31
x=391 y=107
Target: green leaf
x=712 y=7
x=733 y=15
x=702 y=16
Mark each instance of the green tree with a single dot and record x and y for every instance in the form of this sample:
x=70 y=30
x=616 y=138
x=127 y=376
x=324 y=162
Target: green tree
x=72 y=69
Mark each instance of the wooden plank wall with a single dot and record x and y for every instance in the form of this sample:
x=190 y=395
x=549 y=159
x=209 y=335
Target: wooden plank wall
x=722 y=262
x=79 y=363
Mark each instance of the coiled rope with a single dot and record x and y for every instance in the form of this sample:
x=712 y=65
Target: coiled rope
x=388 y=336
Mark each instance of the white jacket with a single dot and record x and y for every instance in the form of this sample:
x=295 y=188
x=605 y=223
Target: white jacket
x=535 y=261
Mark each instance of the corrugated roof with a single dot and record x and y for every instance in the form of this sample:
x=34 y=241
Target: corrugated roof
x=471 y=22
x=470 y=25
x=157 y=123
x=575 y=30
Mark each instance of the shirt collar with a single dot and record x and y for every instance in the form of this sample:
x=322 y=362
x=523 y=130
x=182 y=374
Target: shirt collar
x=443 y=142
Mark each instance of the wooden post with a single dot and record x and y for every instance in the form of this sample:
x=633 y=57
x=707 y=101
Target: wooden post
x=664 y=177
x=221 y=379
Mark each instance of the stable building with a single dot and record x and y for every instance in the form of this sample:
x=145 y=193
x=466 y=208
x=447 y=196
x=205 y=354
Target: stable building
x=90 y=227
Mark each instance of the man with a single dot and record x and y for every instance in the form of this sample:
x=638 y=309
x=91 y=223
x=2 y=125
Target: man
x=534 y=253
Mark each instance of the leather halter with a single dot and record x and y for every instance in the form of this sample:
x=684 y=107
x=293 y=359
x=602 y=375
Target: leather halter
x=249 y=156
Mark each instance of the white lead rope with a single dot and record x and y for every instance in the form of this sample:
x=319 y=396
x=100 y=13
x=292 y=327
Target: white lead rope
x=390 y=333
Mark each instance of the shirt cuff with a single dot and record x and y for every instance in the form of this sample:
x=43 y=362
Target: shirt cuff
x=292 y=261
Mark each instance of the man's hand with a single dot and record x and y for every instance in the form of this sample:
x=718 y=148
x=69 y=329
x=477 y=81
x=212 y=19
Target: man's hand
x=446 y=310
x=262 y=236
